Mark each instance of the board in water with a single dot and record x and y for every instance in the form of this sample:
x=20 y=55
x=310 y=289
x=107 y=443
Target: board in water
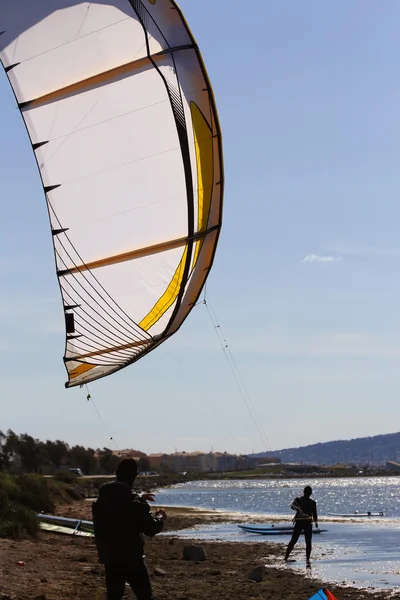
x=270 y=530
x=267 y=527
x=357 y=514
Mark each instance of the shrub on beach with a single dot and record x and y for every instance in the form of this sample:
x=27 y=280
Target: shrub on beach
x=22 y=497
x=65 y=476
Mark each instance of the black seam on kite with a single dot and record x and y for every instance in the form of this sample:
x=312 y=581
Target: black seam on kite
x=7 y=69
x=116 y=336
x=177 y=104
x=138 y=331
x=117 y=333
x=118 y=356
x=123 y=324
x=39 y=144
x=66 y=91
x=47 y=204
x=125 y=354
x=184 y=144
x=59 y=231
x=92 y=331
x=83 y=362
x=106 y=340
x=190 y=201
x=104 y=316
x=218 y=129
x=100 y=358
x=169 y=50
x=147 y=350
x=49 y=188
x=145 y=16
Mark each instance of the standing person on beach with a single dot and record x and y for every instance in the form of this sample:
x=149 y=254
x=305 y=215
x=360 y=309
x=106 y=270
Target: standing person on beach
x=306 y=513
x=120 y=519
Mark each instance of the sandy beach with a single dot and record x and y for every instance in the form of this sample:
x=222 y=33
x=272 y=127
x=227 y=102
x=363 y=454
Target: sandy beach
x=64 y=567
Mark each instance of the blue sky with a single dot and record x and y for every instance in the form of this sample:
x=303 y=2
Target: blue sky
x=305 y=283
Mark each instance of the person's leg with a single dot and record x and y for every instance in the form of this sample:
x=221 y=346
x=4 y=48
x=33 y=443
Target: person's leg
x=308 y=538
x=295 y=536
x=115 y=581
x=139 y=580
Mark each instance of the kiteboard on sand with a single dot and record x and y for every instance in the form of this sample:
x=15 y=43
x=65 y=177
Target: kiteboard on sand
x=65 y=525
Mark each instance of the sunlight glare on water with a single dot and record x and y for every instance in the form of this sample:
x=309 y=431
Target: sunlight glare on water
x=360 y=551
x=346 y=495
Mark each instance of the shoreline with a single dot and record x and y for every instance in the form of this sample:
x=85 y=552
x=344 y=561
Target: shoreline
x=61 y=566
x=266 y=550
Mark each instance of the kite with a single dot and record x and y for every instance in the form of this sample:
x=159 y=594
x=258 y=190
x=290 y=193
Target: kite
x=122 y=120
x=323 y=594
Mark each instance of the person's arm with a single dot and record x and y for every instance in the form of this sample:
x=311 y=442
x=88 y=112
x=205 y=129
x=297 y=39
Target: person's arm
x=294 y=505
x=151 y=524
x=315 y=514
x=148 y=496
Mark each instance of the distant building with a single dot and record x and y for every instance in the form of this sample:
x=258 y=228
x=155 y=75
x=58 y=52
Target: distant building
x=198 y=462
x=136 y=454
x=225 y=461
x=159 y=461
x=187 y=461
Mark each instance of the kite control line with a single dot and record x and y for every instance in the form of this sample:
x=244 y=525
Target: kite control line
x=89 y=399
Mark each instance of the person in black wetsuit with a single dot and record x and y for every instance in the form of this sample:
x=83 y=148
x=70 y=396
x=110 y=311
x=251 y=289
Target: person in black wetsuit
x=306 y=513
x=120 y=519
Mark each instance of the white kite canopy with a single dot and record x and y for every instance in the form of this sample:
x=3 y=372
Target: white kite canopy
x=123 y=123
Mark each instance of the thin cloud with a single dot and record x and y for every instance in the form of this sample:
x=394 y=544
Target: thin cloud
x=321 y=259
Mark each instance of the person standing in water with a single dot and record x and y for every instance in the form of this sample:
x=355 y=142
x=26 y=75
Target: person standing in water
x=306 y=513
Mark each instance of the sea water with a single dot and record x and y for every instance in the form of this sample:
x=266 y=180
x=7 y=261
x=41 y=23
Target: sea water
x=359 y=551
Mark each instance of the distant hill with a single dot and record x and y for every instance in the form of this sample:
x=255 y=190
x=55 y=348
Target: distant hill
x=368 y=450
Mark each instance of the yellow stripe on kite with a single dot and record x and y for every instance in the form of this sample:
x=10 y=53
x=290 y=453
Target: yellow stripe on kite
x=80 y=370
x=203 y=142
x=167 y=299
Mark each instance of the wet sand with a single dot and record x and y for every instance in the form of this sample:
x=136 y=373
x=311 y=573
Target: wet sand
x=59 y=567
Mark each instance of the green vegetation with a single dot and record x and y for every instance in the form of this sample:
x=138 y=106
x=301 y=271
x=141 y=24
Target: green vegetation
x=289 y=471
x=21 y=497
x=23 y=454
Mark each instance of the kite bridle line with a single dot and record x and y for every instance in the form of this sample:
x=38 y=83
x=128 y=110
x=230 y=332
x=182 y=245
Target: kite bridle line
x=235 y=371
x=90 y=399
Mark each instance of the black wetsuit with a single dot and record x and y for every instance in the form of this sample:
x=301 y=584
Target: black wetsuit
x=306 y=513
x=120 y=519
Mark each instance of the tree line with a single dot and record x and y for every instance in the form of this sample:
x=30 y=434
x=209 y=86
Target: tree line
x=20 y=454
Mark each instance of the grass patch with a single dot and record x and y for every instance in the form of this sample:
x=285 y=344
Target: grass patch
x=21 y=498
